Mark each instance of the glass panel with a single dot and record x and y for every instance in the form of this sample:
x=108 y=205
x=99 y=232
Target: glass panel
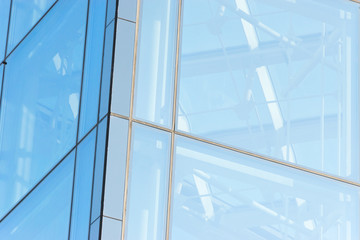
x=1 y=77
x=111 y=10
x=44 y=214
x=156 y=61
x=39 y=108
x=149 y=166
x=123 y=67
x=127 y=9
x=99 y=170
x=24 y=15
x=94 y=230
x=81 y=206
x=111 y=229
x=115 y=167
x=107 y=70
x=4 y=21
x=277 y=77
x=92 y=70
x=220 y=194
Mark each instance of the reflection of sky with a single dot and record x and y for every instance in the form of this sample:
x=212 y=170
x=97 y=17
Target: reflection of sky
x=219 y=194
x=273 y=77
x=40 y=105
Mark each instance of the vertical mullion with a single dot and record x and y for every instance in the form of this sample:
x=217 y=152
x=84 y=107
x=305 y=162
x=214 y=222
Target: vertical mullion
x=130 y=119
x=173 y=127
x=79 y=110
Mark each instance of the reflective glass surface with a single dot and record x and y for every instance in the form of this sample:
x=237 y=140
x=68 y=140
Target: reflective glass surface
x=123 y=67
x=156 y=61
x=115 y=168
x=92 y=69
x=4 y=21
x=94 y=230
x=148 y=184
x=221 y=194
x=275 y=77
x=111 y=229
x=24 y=15
x=39 y=107
x=81 y=206
x=107 y=70
x=44 y=214
x=99 y=170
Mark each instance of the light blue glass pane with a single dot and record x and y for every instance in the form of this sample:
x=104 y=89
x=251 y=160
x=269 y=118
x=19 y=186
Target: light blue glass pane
x=111 y=229
x=107 y=70
x=44 y=214
x=278 y=78
x=39 y=108
x=156 y=61
x=115 y=167
x=4 y=21
x=24 y=15
x=92 y=70
x=1 y=75
x=148 y=184
x=123 y=67
x=99 y=170
x=221 y=194
x=81 y=206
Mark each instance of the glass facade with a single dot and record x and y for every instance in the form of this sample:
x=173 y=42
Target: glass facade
x=179 y=119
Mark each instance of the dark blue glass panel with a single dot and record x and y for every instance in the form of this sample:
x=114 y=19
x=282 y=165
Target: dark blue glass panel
x=111 y=7
x=80 y=216
x=99 y=170
x=107 y=65
x=44 y=213
x=4 y=20
x=24 y=15
x=39 y=108
x=92 y=71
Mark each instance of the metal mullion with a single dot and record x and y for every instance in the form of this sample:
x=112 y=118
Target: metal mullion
x=173 y=126
x=129 y=136
x=79 y=114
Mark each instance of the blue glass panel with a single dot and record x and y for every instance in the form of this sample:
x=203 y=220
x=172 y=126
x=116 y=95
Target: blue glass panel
x=111 y=10
x=277 y=77
x=156 y=61
x=81 y=206
x=24 y=15
x=107 y=70
x=149 y=166
x=4 y=21
x=44 y=214
x=39 y=108
x=99 y=170
x=1 y=75
x=94 y=230
x=221 y=194
x=92 y=70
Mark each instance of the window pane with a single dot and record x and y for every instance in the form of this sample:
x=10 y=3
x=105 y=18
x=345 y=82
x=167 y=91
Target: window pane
x=107 y=70
x=149 y=166
x=156 y=61
x=220 y=194
x=39 y=108
x=92 y=70
x=277 y=77
x=45 y=213
x=24 y=15
x=81 y=206
x=4 y=21
x=99 y=170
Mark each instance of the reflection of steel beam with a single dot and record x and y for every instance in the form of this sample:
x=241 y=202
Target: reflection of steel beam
x=267 y=54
